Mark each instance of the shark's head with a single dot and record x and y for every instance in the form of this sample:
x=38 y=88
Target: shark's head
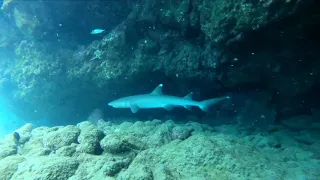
x=119 y=103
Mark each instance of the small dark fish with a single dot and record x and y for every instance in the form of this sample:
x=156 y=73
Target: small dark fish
x=16 y=137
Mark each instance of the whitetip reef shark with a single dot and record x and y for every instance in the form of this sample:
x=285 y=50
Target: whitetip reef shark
x=156 y=99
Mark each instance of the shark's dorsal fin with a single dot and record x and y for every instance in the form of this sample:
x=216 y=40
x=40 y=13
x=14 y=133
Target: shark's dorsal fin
x=157 y=90
x=189 y=96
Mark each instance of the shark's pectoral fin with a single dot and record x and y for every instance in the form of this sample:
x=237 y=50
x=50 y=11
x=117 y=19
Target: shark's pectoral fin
x=168 y=107
x=134 y=108
x=188 y=107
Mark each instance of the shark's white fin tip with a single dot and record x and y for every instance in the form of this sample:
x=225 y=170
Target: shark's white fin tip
x=157 y=90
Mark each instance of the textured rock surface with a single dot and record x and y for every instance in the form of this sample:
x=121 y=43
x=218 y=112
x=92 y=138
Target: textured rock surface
x=49 y=167
x=164 y=150
x=60 y=137
x=9 y=166
x=8 y=146
x=89 y=138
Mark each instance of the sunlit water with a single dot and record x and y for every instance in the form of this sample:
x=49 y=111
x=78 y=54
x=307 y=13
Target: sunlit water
x=8 y=121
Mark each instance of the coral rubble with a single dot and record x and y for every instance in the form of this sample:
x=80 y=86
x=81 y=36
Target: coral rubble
x=155 y=150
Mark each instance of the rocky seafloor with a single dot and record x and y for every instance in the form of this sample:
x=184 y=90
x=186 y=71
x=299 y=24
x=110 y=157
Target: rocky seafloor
x=158 y=150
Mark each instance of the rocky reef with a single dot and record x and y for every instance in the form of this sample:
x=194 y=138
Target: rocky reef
x=264 y=54
x=157 y=150
x=264 y=49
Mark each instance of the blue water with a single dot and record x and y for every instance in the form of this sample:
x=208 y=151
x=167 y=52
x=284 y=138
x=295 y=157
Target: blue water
x=8 y=120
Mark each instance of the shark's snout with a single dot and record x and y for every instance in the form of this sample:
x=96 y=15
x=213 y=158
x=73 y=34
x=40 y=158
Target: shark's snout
x=117 y=104
x=111 y=103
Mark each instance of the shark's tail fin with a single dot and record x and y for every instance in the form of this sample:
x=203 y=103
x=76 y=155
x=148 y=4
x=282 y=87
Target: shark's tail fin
x=205 y=105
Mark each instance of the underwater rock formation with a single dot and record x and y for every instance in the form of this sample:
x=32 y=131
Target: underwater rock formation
x=155 y=150
x=51 y=21
x=234 y=44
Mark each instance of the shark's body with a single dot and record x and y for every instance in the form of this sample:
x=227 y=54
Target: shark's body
x=156 y=99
